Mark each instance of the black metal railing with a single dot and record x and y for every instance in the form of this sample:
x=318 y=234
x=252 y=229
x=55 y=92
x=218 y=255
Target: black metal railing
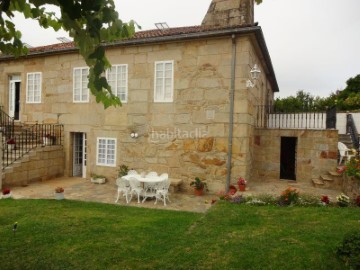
x=6 y=124
x=267 y=117
x=30 y=138
x=351 y=129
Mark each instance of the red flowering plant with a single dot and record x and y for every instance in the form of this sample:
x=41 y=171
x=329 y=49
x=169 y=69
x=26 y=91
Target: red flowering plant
x=223 y=196
x=59 y=190
x=325 y=199
x=6 y=191
x=232 y=190
x=241 y=181
x=288 y=196
x=351 y=168
x=357 y=201
x=11 y=141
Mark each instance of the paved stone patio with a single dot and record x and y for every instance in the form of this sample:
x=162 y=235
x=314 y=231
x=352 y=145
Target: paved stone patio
x=83 y=190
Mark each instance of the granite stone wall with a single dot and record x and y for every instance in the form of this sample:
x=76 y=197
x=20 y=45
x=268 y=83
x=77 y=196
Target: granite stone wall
x=40 y=164
x=185 y=138
x=316 y=153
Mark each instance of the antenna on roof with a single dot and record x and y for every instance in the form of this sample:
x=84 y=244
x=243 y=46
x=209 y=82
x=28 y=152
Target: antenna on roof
x=162 y=25
x=28 y=45
x=63 y=39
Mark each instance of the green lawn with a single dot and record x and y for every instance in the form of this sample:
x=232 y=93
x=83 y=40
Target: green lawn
x=76 y=235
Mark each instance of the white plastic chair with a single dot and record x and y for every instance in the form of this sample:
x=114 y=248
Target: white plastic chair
x=136 y=188
x=132 y=172
x=150 y=188
x=124 y=188
x=344 y=152
x=162 y=192
x=152 y=174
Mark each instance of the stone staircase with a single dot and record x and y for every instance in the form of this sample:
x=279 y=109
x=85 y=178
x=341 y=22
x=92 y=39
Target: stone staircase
x=332 y=179
x=329 y=180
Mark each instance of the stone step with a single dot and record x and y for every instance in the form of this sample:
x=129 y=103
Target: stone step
x=335 y=174
x=325 y=177
x=318 y=182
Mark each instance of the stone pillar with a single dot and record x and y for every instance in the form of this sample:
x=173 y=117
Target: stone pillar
x=225 y=13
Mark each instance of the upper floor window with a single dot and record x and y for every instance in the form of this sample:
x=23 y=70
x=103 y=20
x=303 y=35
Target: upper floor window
x=80 y=90
x=117 y=77
x=33 y=87
x=106 y=152
x=164 y=81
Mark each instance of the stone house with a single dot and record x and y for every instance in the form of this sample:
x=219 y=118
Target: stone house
x=187 y=106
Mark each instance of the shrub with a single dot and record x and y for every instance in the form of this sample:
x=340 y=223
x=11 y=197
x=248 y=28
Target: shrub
x=325 y=199
x=6 y=191
x=349 y=250
x=238 y=199
x=357 y=201
x=343 y=200
x=351 y=168
x=267 y=199
x=309 y=200
x=288 y=196
x=255 y=201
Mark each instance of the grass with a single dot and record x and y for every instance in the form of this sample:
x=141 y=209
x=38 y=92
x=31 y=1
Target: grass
x=77 y=235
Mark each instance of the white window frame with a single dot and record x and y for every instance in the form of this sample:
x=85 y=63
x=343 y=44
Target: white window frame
x=105 y=161
x=160 y=82
x=119 y=85
x=33 y=87
x=83 y=85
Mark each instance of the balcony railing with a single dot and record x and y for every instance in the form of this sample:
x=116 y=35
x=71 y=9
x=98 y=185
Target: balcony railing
x=38 y=135
x=6 y=124
x=352 y=130
x=266 y=117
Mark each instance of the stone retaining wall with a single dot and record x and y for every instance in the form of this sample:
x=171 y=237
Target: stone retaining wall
x=39 y=165
x=316 y=153
x=351 y=186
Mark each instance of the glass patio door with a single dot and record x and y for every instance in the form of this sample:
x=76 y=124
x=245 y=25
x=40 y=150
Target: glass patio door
x=14 y=97
x=79 y=154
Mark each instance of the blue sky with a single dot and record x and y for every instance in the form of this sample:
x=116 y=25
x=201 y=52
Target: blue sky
x=314 y=44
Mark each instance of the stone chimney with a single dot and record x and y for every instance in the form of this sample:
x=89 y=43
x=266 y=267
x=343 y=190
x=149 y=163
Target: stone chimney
x=224 y=13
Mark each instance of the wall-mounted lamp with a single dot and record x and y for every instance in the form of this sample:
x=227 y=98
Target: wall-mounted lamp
x=255 y=73
x=134 y=135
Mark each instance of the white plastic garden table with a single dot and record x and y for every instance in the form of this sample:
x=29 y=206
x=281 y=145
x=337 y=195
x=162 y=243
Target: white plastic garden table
x=149 y=192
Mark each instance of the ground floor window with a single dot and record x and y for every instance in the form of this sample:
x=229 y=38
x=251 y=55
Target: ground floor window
x=106 y=152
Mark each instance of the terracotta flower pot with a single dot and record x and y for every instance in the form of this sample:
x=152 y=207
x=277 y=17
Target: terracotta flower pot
x=198 y=192
x=242 y=187
x=232 y=190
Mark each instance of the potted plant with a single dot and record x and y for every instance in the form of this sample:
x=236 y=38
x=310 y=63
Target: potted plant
x=232 y=190
x=11 y=144
x=48 y=139
x=59 y=193
x=6 y=193
x=123 y=170
x=241 y=183
x=199 y=186
x=97 y=179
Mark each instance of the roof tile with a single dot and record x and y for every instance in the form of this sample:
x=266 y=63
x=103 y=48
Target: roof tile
x=138 y=35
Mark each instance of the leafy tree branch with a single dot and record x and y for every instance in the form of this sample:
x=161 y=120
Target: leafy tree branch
x=89 y=23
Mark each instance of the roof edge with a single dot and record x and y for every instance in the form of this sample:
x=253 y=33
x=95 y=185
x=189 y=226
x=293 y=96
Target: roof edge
x=261 y=41
x=178 y=37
